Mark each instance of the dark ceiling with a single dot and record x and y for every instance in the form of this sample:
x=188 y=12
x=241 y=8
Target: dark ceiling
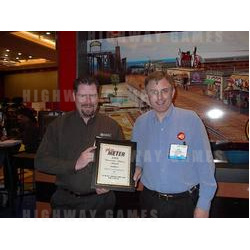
x=14 y=49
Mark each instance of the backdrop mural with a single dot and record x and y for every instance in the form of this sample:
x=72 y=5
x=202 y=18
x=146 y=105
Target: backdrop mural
x=210 y=71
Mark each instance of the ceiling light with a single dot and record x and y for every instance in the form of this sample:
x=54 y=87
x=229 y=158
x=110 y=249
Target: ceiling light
x=5 y=55
x=5 y=59
x=19 y=53
x=35 y=38
x=17 y=58
x=31 y=61
x=48 y=33
x=30 y=56
x=215 y=113
x=7 y=50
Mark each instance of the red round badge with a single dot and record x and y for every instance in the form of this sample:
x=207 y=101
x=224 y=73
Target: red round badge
x=181 y=136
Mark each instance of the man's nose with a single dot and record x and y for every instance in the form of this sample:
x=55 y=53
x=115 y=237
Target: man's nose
x=159 y=95
x=88 y=99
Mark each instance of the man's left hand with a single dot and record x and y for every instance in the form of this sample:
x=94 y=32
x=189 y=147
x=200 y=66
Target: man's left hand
x=137 y=175
x=200 y=213
x=101 y=190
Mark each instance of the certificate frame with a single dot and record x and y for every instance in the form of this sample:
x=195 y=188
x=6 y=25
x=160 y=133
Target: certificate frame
x=114 y=165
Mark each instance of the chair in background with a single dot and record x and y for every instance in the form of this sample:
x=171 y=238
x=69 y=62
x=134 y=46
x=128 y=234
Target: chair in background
x=21 y=162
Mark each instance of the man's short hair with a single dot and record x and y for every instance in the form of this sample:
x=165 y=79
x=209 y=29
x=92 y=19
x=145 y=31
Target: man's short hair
x=159 y=75
x=87 y=80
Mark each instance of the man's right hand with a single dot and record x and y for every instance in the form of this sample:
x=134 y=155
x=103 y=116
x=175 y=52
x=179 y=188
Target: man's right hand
x=85 y=158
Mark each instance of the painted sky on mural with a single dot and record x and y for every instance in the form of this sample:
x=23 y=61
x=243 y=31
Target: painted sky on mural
x=210 y=44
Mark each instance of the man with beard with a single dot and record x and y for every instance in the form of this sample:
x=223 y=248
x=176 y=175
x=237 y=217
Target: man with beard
x=67 y=151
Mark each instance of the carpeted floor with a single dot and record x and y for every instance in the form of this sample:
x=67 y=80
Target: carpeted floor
x=24 y=208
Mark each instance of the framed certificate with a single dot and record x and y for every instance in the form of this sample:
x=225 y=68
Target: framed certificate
x=114 y=164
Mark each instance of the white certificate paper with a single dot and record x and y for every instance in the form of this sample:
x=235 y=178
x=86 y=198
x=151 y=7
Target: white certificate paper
x=114 y=165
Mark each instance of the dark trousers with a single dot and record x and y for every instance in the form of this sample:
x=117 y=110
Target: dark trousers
x=67 y=205
x=152 y=206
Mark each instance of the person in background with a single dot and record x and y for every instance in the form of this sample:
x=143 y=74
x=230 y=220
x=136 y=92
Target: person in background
x=67 y=150
x=28 y=130
x=185 y=82
x=3 y=108
x=11 y=115
x=174 y=158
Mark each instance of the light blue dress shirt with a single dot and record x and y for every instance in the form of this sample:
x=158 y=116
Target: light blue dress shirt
x=165 y=175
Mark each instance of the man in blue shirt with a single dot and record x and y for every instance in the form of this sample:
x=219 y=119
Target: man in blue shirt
x=174 y=158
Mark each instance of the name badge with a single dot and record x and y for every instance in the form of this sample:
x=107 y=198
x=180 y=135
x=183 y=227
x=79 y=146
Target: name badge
x=178 y=151
x=105 y=135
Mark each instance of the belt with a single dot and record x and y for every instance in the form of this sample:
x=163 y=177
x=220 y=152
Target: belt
x=174 y=195
x=76 y=194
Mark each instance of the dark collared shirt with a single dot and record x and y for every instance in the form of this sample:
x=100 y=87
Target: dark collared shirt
x=65 y=139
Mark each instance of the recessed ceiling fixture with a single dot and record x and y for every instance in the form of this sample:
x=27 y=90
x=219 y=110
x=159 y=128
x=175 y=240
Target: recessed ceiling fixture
x=7 y=50
x=30 y=56
x=19 y=53
x=48 y=33
x=6 y=55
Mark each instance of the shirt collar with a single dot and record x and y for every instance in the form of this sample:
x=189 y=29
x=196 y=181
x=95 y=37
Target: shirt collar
x=90 y=121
